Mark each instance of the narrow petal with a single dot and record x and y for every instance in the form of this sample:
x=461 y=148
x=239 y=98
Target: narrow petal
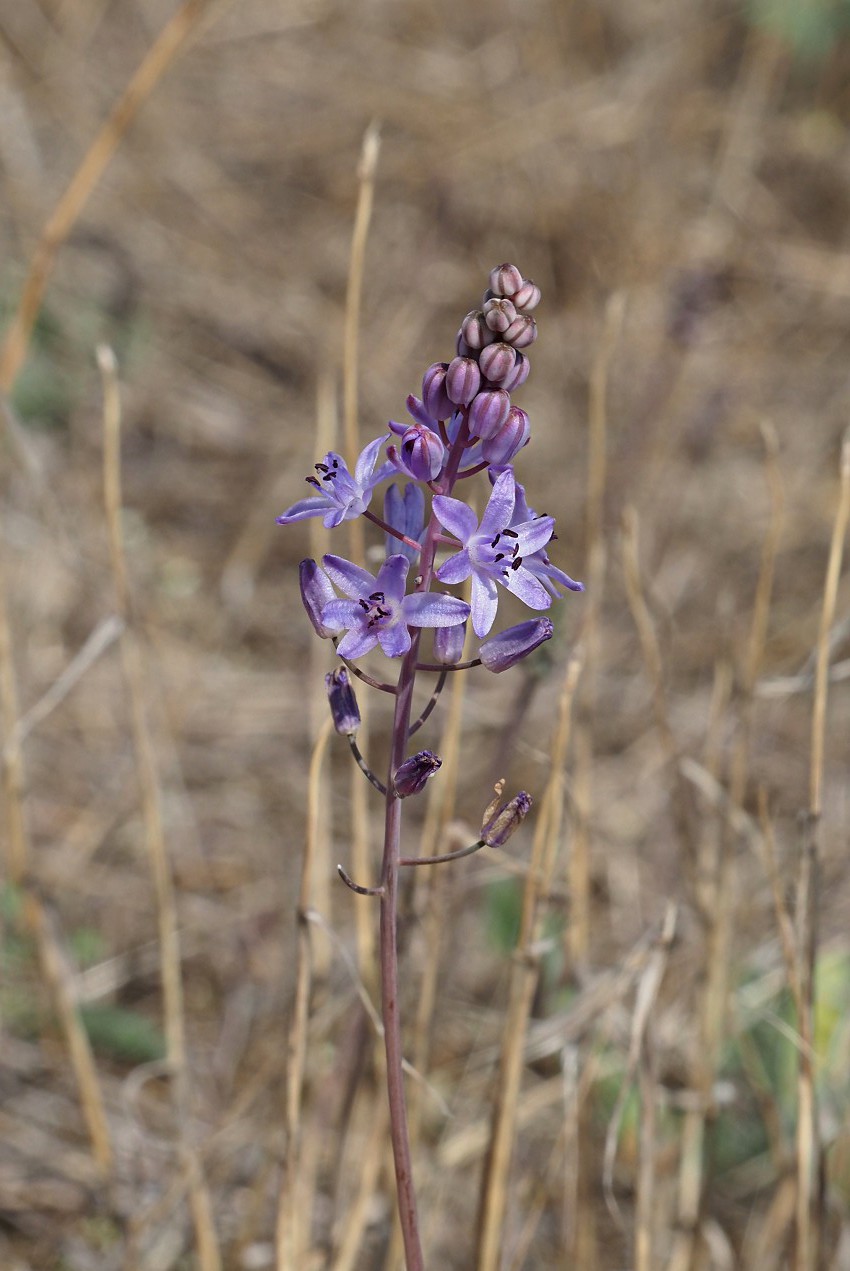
x=316 y=506
x=366 y=461
x=394 y=640
x=533 y=535
x=431 y=609
x=522 y=583
x=392 y=576
x=356 y=642
x=500 y=507
x=457 y=518
x=339 y=615
x=485 y=602
x=348 y=577
x=456 y=569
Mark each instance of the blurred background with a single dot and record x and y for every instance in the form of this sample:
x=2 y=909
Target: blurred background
x=676 y=178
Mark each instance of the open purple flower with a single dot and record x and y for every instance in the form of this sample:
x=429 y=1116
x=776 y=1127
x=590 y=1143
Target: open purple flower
x=341 y=496
x=538 y=563
x=494 y=551
x=378 y=612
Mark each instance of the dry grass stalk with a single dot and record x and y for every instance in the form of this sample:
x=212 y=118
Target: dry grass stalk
x=809 y=1211
x=525 y=970
x=290 y=1226
x=133 y=667
x=55 y=965
x=64 y=216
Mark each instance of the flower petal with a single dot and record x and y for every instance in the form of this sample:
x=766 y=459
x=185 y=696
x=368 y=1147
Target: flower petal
x=339 y=615
x=456 y=569
x=366 y=461
x=315 y=506
x=532 y=535
x=456 y=517
x=485 y=602
x=348 y=577
x=500 y=506
x=522 y=583
x=432 y=609
x=356 y=642
x=392 y=577
x=394 y=640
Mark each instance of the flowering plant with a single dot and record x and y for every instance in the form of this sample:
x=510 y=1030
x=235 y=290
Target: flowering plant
x=463 y=424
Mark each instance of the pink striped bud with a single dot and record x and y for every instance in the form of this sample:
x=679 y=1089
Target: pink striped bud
x=422 y=452
x=499 y=313
x=497 y=362
x=434 y=396
x=505 y=280
x=463 y=380
x=504 y=445
x=475 y=331
x=488 y=412
x=519 y=374
x=521 y=332
x=528 y=296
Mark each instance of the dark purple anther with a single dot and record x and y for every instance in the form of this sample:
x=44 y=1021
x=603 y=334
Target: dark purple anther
x=507 y=648
x=344 y=709
x=316 y=591
x=488 y=412
x=499 y=313
x=435 y=399
x=422 y=452
x=412 y=775
x=463 y=380
x=521 y=332
x=505 y=280
x=448 y=644
x=501 y=822
x=528 y=296
x=505 y=444
x=497 y=362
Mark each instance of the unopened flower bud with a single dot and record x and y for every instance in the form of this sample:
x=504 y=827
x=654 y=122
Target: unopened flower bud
x=521 y=332
x=504 y=650
x=448 y=643
x=463 y=380
x=499 y=313
x=528 y=296
x=505 y=280
x=434 y=396
x=505 y=444
x=316 y=591
x=344 y=709
x=488 y=412
x=518 y=375
x=497 y=362
x=412 y=775
x=405 y=513
x=475 y=332
x=500 y=822
x=422 y=452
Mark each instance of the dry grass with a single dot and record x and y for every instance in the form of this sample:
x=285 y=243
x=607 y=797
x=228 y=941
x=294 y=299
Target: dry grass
x=607 y=1091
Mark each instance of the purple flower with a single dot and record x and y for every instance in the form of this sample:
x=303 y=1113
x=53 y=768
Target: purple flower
x=494 y=551
x=504 y=650
x=341 y=496
x=538 y=563
x=405 y=513
x=378 y=611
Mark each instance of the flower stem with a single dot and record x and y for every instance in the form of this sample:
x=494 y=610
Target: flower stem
x=390 y=1006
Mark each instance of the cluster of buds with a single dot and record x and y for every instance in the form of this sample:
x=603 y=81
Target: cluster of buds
x=463 y=423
